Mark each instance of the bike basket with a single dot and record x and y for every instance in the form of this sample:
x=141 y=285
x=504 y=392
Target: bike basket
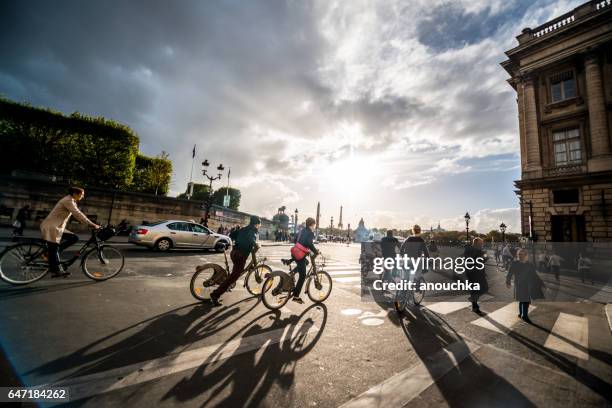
x=105 y=233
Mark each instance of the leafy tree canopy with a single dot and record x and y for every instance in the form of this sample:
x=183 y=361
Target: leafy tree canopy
x=87 y=150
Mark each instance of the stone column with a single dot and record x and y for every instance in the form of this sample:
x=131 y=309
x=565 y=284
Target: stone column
x=521 y=116
x=598 y=124
x=533 y=167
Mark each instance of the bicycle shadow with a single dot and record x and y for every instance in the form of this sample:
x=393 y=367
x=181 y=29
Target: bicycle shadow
x=461 y=379
x=162 y=335
x=12 y=292
x=247 y=378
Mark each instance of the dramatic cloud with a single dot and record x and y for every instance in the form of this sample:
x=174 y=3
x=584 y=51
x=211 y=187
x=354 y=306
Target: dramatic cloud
x=385 y=107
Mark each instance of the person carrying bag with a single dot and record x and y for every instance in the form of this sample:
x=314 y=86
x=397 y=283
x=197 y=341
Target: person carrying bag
x=303 y=245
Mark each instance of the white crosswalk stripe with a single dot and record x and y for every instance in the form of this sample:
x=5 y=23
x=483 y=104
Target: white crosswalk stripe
x=569 y=335
x=502 y=320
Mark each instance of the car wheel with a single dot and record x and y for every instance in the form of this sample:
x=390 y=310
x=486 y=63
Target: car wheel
x=220 y=246
x=163 y=245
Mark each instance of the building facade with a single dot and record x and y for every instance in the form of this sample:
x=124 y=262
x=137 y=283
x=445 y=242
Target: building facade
x=562 y=74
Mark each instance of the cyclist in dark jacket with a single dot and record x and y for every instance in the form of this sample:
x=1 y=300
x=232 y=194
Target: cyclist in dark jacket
x=414 y=246
x=245 y=244
x=305 y=237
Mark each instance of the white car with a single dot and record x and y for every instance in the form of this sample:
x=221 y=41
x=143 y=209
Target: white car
x=165 y=235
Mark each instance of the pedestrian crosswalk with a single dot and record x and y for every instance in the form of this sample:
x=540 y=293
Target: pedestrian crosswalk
x=344 y=272
x=568 y=335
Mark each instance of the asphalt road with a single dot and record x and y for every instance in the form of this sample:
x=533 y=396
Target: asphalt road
x=140 y=339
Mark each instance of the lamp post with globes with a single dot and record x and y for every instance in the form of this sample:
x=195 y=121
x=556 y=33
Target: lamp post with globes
x=295 y=224
x=467 y=226
x=208 y=203
x=502 y=228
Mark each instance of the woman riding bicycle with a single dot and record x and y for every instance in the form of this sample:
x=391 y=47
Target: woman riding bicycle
x=54 y=230
x=304 y=243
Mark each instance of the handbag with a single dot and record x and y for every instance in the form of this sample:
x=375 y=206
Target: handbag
x=17 y=224
x=299 y=251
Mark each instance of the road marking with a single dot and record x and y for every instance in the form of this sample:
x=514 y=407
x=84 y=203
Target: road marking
x=447 y=307
x=450 y=307
x=506 y=317
x=568 y=331
x=334 y=273
x=351 y=312
x=117 y=378
x=348 y=280
x=343 y=268
x=403 y=387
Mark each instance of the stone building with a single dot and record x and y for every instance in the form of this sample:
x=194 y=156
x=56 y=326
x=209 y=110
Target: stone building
x=562 y=74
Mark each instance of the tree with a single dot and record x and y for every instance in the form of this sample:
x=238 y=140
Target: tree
x=152 y=174
x=91 y=151
x=234 y=197
x=200 y=192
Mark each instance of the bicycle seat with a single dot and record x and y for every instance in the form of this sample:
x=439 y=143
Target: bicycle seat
x=287 y=261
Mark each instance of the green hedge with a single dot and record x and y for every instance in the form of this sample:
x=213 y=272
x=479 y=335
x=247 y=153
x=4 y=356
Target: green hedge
x=81 y=149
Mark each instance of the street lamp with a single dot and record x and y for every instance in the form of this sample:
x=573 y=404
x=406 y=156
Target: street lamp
x=296 y=222
x=331 y=223
x=502 y=228
x=208 y=203
x=467 y=226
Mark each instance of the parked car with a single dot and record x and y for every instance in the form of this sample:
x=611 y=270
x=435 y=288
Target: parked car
x=165 y=235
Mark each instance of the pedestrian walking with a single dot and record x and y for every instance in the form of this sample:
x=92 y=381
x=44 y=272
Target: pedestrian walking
x=20 y=220
x=475 y=274
x=507 y=257
x=584 y=267
x=221 y=230
x=527 y=284
x=554 y=262
x=245 y=244
x=53 y=227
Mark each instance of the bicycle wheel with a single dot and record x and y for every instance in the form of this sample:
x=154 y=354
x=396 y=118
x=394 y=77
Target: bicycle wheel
x=319 y=286
x=276 y=290
x=418 y=294
x=255 y=277
x=23 y=263
x=401 y=301
x=206 y=279
x=102 y=264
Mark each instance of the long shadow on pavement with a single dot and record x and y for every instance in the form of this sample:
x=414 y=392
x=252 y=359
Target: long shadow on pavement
x=163 y=334
x=247 y=378
x=565 y=364
x=11 y=292
x=461 y=379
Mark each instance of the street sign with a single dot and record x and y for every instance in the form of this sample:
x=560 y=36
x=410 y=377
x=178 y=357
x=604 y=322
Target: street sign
x=226 y=200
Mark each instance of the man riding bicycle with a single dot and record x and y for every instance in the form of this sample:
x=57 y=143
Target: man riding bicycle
x=245 y=244
x=53 y=228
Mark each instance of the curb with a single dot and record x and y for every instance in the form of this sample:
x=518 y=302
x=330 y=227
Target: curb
x=608 y=309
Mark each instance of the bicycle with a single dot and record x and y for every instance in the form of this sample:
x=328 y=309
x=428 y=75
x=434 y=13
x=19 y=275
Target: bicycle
x=278 y=287
x=26 y=262
x=402 y=296
x=209 y=276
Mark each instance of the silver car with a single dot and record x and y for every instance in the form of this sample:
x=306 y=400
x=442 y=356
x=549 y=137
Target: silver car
x=165 y=235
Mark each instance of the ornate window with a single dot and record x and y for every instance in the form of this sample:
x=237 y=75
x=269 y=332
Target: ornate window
x=562 y=86
x=567 y=147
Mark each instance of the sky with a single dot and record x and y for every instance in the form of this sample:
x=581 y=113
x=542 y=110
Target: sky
x=397 y=110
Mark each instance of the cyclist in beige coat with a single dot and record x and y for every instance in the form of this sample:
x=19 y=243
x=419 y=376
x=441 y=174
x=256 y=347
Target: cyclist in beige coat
x=54 y=230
